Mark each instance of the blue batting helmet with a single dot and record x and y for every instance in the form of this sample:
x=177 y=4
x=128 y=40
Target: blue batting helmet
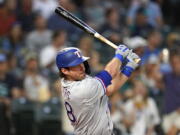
x=69 y=57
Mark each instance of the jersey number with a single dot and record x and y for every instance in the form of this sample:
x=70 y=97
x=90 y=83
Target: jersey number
x=70 y=112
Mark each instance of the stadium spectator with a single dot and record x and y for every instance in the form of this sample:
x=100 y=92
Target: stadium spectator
x=173 y=39
x=86 y=45
x=9 y=89
x=154 y=41
x=8 y=81
x=48 y=54
x=40 y=37
x=14 y=68
x=94 y=13
x=95 y=63
x=25 y=14
x=141 y=111
x=58 y=23
x=171 y=10
x=171 y=120
x=116 y=109
x=7 y=16
x=111 y=29
x=44 y=7
x=35 y=85
x=14 y=44
x=141 y=26
x=136 y=43
x=152 y=79
x=154 y=14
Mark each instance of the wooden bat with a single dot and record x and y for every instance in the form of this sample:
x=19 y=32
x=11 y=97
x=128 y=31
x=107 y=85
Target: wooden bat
x=79 y=23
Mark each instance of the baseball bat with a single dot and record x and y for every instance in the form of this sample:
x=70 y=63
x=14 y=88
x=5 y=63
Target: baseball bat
x=79 y=23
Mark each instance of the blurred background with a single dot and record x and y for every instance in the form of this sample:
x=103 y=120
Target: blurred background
x=31 y=34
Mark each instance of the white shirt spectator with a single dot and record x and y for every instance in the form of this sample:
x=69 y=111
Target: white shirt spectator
x=48 y=56
x=36 y=87
x=45 y=7
x=143 y=118
x=36 y=40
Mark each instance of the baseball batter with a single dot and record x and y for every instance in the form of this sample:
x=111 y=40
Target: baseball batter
x=86 y=97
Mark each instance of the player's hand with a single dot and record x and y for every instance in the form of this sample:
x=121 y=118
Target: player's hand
x=131 y=64
x=131 y=60
x=121 y=52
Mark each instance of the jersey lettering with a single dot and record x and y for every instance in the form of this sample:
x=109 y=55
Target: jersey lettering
x=70 y=112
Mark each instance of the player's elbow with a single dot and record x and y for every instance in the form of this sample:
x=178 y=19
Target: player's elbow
x=109 y=91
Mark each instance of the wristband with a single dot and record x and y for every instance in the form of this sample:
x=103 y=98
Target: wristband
x=127 y=71
x=105 y=77
x=120 y=57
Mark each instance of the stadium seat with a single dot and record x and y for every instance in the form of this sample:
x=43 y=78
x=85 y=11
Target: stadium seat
x=23 y=116
x=48 y=117
x=4 y=121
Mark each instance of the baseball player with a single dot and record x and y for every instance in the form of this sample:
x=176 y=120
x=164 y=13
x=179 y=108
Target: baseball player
x=85 y=97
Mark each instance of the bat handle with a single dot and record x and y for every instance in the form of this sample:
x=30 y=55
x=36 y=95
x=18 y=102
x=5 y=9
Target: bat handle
x=105 y=40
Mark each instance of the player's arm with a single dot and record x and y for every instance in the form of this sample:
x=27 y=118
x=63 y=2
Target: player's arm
x=123 y=76
x=112 y=68
x=116 y=83
x=114 y=65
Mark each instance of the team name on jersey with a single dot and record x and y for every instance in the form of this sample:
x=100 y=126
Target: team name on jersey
x=66 y=92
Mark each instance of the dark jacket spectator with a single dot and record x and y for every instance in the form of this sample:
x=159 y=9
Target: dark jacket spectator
x=171 y=121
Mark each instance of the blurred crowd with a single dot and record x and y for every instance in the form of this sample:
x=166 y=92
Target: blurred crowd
x=31 y=34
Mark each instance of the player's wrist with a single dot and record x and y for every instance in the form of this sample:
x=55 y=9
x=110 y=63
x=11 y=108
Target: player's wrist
x=119 y=57
x=127 y=70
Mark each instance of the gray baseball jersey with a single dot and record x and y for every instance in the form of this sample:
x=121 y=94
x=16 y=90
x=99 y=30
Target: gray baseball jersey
x=87 y=106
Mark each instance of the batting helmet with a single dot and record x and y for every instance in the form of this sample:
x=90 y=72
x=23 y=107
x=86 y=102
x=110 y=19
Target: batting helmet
x=69 y=57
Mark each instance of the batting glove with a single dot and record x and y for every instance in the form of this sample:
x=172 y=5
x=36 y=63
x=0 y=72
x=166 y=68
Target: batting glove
x=131 y=64
x=121 y=52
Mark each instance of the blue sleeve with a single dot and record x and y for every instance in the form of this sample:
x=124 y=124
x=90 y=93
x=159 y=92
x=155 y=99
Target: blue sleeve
x=105 y=77
x=132 y=11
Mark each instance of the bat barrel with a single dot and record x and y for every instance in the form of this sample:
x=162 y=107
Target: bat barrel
x=76 y=21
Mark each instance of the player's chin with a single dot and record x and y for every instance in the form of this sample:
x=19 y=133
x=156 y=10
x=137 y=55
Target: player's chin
x=82 y=76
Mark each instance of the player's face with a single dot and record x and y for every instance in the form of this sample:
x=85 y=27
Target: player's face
x=76 y=73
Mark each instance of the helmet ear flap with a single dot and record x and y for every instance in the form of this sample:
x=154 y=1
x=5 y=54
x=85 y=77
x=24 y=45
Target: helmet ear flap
x=87 y=67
